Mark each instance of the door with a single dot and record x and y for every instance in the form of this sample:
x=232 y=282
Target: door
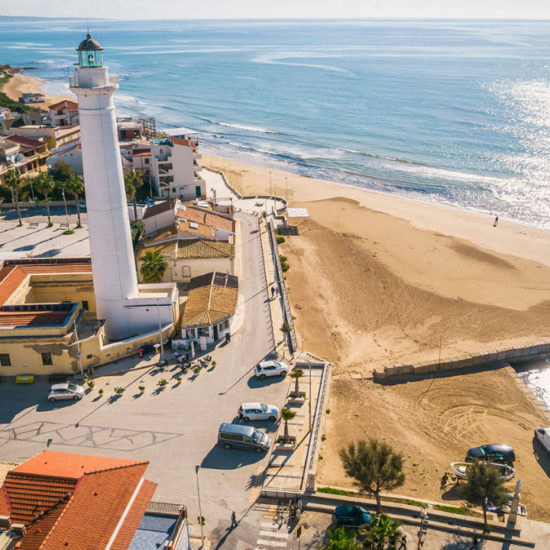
x=216 y=335
x=198 y=191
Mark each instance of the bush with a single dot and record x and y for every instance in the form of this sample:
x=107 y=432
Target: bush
x=162 y=383
x=280 y=240
x=142 y=389
x=119 y=390
x=283 y=259
x=285 y=267
x=179 y=379
x=91 y=384
x=285 y=327
x=196 y=370
x=68 y=232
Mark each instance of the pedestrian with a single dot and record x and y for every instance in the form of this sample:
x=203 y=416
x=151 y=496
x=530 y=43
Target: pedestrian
x=496 y=221
x=403 y=543
x=234 y=522
x=273 y=291
x=475 y=543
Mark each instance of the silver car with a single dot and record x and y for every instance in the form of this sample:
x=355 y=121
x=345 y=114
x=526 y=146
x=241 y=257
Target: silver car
x=258 y=411
x=64 y=391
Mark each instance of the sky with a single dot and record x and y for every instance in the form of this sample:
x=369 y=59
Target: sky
x=274 y=9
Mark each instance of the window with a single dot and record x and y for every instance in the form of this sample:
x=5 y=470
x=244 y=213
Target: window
x=47 y=359
x=5 y=360
x=186 y=271
x=173 y=189
x=85 y=304
x=204 y=331
x=146 y=161
x=89 y=356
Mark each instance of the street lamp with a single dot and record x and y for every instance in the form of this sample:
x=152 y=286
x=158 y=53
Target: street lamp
x=66 y=211
x=197 y=468
x=160 y=332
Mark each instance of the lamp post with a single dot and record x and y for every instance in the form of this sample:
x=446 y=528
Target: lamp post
x=66 y=211
x=197 y=468
x=78 y=350
x=160 y=332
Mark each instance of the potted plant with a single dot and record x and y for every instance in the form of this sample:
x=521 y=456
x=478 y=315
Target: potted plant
x=119 y=390
x=178 y=380
x=297 y=394
x=141 y=389
x=100 y=392
x=287 y=441
x=162 y=383
x=91 y=384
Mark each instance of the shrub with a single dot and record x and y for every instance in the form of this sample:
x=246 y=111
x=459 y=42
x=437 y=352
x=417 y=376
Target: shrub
x=285 y=327
x=100 y=391
x=323 y=437
x=179 y=379
x=142 y=389
x=214 y=364
x=285 y=267
x=68 y=232
x=283 y=258
x=91 y=384
x=280 y=239
x=162 y=383
x=196 y=370
x=119 y=390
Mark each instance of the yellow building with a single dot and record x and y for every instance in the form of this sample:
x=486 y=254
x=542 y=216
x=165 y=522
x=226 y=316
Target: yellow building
x=48 y=321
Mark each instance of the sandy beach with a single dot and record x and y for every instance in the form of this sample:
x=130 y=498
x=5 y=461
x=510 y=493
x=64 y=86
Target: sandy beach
x=379 y=280
x=20 y=83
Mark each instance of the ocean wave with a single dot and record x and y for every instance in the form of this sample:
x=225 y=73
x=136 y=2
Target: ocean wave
x=256 y=129
x=279 y=59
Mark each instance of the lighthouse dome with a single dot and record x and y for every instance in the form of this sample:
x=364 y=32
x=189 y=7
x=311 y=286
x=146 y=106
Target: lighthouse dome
x=89 y=44
x=90 y=53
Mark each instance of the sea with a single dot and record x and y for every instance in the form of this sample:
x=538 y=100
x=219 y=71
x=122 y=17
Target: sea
x=449 y=111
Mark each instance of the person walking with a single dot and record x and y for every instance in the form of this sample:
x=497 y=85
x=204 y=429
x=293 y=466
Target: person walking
x=234 y=522
x=496 y=221
x=403 y=543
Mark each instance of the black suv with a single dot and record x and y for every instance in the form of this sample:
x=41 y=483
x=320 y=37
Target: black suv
x=503 y=454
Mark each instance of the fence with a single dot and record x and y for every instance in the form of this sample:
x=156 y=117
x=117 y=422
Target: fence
x=287 y=313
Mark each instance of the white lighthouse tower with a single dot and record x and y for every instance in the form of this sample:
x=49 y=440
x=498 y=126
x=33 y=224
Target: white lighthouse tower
x=124 y=305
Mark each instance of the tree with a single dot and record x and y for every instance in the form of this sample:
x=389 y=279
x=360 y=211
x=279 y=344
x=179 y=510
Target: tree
x=153 y=267
x=61 y=171
x=340 y=538
x=132 y=182
x=297 y=374
x=44 y=185
x=484 y=485
x=286 y=415
x=75 y=186
x=382 y=533
x=374 y=466
x=14 y=183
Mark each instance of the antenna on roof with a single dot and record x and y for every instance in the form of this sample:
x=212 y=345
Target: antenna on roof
x=87 y=26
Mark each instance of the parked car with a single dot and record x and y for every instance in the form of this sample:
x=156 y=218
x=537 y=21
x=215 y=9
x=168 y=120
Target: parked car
x=492 y=453
x=237 y=436
x=543 y=435
x=350 y=516
x=258 y=411
x=271 y=368
x=66 y=390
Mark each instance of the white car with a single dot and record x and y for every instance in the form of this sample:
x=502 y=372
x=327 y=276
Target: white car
x=258 y=411
x=66 y=390
x=271 y=368
x=543 y=435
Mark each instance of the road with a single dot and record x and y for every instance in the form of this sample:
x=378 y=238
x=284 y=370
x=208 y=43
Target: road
x=174 y=428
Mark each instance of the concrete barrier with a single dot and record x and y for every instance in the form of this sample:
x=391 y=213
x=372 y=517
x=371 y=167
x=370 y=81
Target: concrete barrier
x=456 y=363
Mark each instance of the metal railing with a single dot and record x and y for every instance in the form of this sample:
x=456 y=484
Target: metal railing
x=287 y=313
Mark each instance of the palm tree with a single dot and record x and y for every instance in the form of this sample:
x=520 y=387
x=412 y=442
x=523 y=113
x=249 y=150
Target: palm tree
x=297 y=374
x=153 y=267
x=13 y=181
x=286 y=415
x=484 y=485
x=382 y=533
x=45 y=184
x=340 y=538
x=374 y=466
x=132 y=182
x=75 y=186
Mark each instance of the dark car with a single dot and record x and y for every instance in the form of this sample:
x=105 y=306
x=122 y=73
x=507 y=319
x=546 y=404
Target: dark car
x=492 y=453
x=350 y=516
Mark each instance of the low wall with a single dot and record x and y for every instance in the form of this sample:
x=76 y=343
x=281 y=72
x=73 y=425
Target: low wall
x=269 y=198
x=38 y=204
x=514 y=355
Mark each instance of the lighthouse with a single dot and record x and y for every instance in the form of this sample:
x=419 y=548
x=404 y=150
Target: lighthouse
x=127 y=308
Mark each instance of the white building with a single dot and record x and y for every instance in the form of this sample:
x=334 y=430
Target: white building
x=128 y=309
x=175 y=168
x=64 y=113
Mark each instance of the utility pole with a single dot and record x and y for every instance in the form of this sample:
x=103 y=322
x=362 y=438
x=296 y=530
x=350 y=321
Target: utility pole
x=66 y=211
x=160 y=332
x=78 y=350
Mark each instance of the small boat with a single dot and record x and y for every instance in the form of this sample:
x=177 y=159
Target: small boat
x=461 y=470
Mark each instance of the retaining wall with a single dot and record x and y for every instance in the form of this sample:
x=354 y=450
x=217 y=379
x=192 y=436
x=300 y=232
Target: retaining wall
x=514 y=355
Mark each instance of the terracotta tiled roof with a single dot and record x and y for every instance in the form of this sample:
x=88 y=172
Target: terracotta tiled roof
x=32 y=318
x=201 y=229
x=210 y=300
x=69 y=105
x=10 y=279
x=207 y=217
x=37 y=269
x=76 y=501
x=134 y=517
x=195 y=249
x=25 y=141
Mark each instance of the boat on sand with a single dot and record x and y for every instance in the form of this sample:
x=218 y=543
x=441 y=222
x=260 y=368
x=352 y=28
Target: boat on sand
x=460 y=469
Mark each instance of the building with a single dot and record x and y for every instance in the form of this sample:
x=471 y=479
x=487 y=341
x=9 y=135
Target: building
x=49 y=319
x=210 y=308
x=54 y=136
x=4 y=112
x=126 y=308
x=26 y=155
x=60 y=500
x=72 y=155
x=64 y=113
x=32 y=98
x=188 y=258
x=175 y=168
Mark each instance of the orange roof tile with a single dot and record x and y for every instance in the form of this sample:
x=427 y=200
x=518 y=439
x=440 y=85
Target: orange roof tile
x=68 y=465
x=69 y=105
x=32 y=318
x=10 y=279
